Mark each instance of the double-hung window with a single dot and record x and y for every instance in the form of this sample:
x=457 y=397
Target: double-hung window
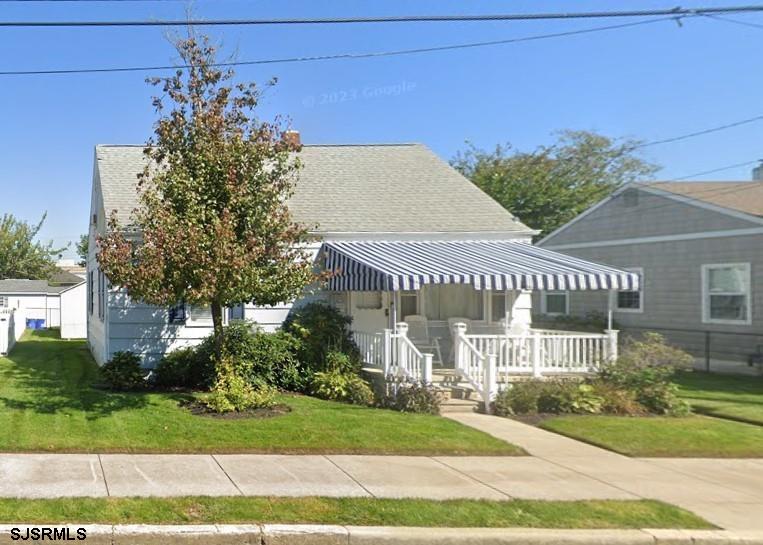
x=631 y=300
x=555 y=303
x=726 y=293
x=176 y=313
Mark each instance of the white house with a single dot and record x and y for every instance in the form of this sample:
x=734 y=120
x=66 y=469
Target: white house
x=412 y=244
x=57 y=305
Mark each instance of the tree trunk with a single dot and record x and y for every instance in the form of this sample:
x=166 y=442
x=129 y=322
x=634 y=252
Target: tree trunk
x=217 y=326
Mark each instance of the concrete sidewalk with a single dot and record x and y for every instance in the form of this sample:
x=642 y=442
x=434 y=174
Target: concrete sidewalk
x=728 y=493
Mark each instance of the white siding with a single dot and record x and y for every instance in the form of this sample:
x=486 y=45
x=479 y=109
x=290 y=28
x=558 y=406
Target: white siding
x=74 y=312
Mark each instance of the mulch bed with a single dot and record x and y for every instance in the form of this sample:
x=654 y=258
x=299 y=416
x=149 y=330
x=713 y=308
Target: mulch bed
x=199 y=409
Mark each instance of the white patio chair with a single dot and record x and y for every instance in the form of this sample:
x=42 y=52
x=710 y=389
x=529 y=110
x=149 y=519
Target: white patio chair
x=418 y=332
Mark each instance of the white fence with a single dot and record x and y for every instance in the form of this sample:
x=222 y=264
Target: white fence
x=12 y=325
x=395 y=354
x=488 y=361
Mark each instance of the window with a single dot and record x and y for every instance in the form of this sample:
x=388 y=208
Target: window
x=368 y=300
x=201 y=316
x=726 y=293
x=554 y=303
x=236 y=312
x=90 y=291
x=631 y=301
x=3 y=301
x=101 y=295
x=497 y=305
x=409 y=304
x=176 y=313
x=453 y=301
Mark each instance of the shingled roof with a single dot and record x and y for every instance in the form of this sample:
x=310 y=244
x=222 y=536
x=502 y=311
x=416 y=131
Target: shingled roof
x=744 y=197
x=380 y=188
x=19 y=285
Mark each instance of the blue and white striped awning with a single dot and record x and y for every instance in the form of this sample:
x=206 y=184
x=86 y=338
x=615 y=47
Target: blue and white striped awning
x=486 y=264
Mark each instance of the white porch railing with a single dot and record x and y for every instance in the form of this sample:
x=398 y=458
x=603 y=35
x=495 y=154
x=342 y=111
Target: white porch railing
x=488 y=361
x=394 y=353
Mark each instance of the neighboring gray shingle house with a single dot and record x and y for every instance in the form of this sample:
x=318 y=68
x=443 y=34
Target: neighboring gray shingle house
x=699 y=249
x=349 y=192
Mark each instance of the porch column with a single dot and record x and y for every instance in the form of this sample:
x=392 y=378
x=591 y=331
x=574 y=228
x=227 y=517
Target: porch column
x=521 y=311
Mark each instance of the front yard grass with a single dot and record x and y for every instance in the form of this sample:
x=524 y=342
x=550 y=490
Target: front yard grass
x=693 y=436
x=47 y=403
x=733 y=397
x=352 y=511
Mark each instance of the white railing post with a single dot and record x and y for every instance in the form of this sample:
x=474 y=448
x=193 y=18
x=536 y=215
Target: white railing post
x=401 y=332
x=489 y=382
x=427 y=370
x=387 y=352
x=459 y=330
x=536 y=354
x=611 y=345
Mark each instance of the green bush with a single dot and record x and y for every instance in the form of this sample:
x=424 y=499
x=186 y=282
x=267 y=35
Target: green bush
x=645 y=367
x=321 y=328
x=257 y=356
x=412 y=397
x=183 y=368
x=233 y=393
x=548 y=396
x=617 y=400
x=123 y=372
x=337 y=385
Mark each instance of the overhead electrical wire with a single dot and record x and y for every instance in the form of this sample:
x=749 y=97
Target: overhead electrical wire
x=677 y=12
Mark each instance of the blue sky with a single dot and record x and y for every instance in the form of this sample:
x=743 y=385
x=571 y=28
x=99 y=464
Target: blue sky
x=649 y=82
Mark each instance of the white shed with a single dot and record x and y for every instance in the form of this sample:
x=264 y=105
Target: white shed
x=58 y=306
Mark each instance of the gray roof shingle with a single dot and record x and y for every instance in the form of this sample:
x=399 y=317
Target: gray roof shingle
x=383 y=188
x=19 y=285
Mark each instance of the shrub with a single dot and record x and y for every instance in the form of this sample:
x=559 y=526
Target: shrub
x=183 y=368
x=123 y=372
x=548 y=396
x=617 y=400
x=256 y=356
x=336 y=385
x=233 y=393
x=645 y=367
x=412 y=397
x=321 y=328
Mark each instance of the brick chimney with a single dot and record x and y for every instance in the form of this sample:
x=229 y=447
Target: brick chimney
x=292 y=138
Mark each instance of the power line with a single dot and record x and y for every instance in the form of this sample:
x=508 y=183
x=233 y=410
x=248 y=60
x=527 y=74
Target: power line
x=713 y=171
x=733 y=21
x=342 y=56
x=672 y=12
x=699 y=133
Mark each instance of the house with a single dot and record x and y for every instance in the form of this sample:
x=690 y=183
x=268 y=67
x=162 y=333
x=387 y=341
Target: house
x=411 y=242
x=59 y=303
x=697 y=247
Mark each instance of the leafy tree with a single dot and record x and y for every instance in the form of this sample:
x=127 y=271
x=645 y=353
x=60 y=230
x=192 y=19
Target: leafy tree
x=548 y=187
x=82 y=249
x=20 y=255
x=213 y=221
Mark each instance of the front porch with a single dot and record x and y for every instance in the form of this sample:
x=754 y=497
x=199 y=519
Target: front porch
x=466 y=306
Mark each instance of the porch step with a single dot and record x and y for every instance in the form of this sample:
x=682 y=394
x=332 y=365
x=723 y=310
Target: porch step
x=453 y=405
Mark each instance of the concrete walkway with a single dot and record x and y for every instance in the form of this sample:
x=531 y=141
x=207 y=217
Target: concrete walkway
x=728 y=493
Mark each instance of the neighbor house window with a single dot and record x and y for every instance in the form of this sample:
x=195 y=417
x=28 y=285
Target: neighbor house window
x=409 y=304
x=176 y=313
x=632 y=300
x=726 y=293
x=368 y=300
x=555 y=303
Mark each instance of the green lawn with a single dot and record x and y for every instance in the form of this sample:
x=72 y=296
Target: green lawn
x=47 y=403
x=733 y=397
x=694 y=436
x=351 y=511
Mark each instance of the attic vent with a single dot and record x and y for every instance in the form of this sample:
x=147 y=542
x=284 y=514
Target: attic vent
x=95 y=219
x=630 y=198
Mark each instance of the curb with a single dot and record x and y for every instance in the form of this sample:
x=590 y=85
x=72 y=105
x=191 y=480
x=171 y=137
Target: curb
x=311 y=534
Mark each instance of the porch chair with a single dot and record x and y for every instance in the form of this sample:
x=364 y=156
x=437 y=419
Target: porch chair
x=418 y=332
x=465 y=321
